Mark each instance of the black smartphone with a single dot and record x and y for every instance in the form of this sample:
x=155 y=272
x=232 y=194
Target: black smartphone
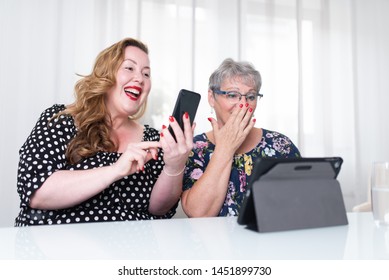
x=187 y=101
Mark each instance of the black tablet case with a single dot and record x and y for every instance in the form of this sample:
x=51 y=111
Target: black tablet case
x=288 y=194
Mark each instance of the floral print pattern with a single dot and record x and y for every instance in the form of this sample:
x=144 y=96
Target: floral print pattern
x=272 y=144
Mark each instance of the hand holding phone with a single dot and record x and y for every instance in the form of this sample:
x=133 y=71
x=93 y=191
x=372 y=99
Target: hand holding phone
x=187 y=101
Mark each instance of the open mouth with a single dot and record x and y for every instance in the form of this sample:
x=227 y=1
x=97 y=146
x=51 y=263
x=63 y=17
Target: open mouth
x=133 y=92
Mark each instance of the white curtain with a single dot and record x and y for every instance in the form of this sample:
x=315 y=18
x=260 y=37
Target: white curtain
x=324 y=65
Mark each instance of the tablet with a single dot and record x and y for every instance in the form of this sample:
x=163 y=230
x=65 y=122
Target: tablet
x=293 y=193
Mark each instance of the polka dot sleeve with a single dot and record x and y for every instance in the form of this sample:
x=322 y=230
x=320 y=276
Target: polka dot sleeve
x=44 y=151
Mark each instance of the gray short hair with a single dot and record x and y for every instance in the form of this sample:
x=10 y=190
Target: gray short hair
x=235 y=69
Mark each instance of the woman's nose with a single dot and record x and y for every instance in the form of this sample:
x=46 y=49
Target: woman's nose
x=138 y=77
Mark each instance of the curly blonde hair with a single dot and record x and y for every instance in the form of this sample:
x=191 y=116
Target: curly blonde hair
x=89 y=110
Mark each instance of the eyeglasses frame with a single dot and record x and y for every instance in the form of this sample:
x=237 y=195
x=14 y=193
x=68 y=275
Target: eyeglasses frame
x=223 y=92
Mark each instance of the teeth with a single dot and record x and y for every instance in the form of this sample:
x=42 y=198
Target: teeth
x=132 y=92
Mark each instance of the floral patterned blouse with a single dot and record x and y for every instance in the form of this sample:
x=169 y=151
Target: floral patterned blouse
x=272 y=144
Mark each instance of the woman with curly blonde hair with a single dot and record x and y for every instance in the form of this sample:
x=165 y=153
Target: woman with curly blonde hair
x=92 y=160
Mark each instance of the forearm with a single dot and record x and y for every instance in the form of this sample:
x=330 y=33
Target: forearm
x=208 y=194
x=166 y=192
x=67 y=188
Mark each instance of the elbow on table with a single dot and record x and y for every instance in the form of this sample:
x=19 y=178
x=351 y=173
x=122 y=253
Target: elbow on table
x=195 y=211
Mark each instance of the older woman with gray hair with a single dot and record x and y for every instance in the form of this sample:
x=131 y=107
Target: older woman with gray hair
x=220 y=164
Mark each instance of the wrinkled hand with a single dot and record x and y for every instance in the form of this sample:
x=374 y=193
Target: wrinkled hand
x=231 y=135
x=136 y=156
x=176 y=153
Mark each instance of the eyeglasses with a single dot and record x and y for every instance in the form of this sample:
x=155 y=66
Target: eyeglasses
x=235 y=97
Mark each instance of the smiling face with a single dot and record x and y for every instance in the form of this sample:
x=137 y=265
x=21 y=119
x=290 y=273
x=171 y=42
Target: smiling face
x=132 y=86
x=222 y=106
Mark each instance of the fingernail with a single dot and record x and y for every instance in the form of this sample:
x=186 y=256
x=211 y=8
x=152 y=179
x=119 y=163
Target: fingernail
x=161 y=134
x=240 y=105
x=155 y=157
x=247 y=104
x=254 y=120
x=171 y=119
x=210 y=119
x=250 y=110
x=163 y=126
x=186 y=115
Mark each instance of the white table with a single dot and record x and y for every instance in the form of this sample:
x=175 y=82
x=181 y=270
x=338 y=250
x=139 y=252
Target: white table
x=200 y=238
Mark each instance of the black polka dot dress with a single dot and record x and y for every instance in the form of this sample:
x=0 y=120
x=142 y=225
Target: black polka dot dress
x=43 y=153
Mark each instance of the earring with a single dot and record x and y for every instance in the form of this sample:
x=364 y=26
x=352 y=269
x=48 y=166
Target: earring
x=211 y=110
